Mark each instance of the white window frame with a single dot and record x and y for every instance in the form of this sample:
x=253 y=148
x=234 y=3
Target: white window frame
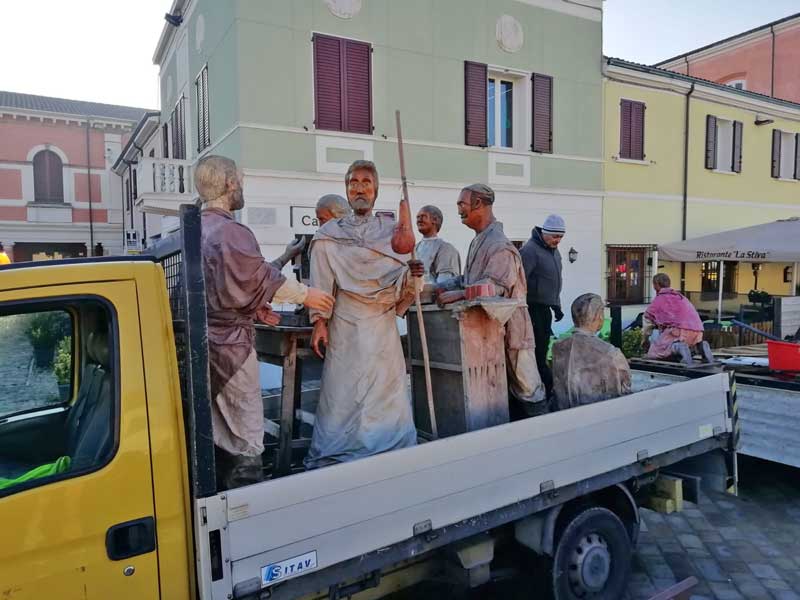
x=741 y=82
x=521 y=108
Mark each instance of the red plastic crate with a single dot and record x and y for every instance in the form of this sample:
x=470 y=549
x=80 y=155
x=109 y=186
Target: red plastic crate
x=783 y=356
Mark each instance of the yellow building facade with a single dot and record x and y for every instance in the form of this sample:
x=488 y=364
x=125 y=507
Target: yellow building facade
x=684 y=158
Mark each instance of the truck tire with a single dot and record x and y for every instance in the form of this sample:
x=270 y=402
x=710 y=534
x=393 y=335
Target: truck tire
x=592 y=558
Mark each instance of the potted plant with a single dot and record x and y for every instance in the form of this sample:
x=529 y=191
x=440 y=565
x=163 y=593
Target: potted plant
x=44 y=332
x=62 y=368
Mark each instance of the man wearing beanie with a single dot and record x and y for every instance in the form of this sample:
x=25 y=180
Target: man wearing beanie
x=542 y=262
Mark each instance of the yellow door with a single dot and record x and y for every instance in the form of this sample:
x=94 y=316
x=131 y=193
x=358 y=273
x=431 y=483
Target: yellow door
x=72 y=404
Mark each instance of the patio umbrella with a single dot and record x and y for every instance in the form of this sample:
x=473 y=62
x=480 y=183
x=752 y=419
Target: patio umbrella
x=775 y=242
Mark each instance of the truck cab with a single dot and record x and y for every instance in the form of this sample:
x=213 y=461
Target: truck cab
x=92 y=451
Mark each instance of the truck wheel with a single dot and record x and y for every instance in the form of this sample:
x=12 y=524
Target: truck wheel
x=593 y=558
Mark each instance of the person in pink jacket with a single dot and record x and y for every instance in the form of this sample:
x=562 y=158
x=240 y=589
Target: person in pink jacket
x=679 y=328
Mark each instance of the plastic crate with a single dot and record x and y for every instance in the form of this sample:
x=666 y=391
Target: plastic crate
x=783 y=356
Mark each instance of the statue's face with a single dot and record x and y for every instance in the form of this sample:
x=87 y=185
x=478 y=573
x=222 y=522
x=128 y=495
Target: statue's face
x=235 y=193
x=469 y=211
x=425 y=223
x=361 y=191
x=323 y=216
x=552 y=240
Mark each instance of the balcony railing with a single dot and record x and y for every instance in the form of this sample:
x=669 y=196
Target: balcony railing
x=163 y=184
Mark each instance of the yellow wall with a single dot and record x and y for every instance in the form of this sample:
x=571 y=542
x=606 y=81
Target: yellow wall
x=644 y=201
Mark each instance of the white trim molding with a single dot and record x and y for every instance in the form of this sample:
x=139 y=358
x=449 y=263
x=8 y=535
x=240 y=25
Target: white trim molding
x=498 y=159
x=585 y=9
x=325 y=144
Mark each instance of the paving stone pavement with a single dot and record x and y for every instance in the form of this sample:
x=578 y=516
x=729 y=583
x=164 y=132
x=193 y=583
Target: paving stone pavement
x=22 y=385
x=745 y=547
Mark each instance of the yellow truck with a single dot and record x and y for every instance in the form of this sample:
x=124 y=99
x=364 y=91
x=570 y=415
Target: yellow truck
x=107 y=485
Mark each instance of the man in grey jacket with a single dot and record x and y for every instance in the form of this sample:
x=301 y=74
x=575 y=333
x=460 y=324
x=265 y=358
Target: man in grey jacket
x=542 y=262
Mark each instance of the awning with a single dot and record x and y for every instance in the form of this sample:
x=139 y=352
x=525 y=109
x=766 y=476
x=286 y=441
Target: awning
x=776 y=242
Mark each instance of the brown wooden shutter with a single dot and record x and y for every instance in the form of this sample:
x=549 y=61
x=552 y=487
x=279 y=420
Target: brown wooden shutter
x=738 y=131
x=48 y=182
x=776 y=153
x=711 y=142
x=328 y=88
x=797 y=155
x=542 y=113
x=637 y=130
x=625 y=129
x=357 y=97
x=475 y=99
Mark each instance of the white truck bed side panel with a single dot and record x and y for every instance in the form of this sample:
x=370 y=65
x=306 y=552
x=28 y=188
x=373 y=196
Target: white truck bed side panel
x=347 y=510
x=769 y=418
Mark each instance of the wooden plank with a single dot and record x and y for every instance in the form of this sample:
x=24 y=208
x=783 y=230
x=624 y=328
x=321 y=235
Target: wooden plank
x=289 y=393
x=453 y=479
x=679 y=591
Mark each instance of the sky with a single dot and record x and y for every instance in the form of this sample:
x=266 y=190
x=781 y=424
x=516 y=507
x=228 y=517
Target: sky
x=649 y=31
x=101 y=50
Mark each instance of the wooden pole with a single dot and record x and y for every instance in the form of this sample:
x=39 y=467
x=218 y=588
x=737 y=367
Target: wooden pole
x=406 y=207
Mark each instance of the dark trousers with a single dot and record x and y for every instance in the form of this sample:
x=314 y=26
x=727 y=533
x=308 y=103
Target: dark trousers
x=542 y=319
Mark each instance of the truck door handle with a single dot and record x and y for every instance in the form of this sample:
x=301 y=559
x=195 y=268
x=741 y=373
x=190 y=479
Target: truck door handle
x=131 y=538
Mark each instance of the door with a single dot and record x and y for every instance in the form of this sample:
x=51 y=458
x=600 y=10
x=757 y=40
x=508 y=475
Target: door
x=626 y=275
x=76 y=492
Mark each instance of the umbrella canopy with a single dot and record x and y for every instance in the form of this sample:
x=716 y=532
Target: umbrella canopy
x=777 y=242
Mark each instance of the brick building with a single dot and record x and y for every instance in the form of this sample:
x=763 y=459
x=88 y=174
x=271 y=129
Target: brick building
x=58 y=195
x=765 y=59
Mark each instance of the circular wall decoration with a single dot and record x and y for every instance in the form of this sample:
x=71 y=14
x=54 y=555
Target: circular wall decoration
x=344 y=9
x=510 y=36
x=199 y=33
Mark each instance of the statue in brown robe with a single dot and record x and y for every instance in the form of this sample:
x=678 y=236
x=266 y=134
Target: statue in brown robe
x=492 y=258
x=240 y=285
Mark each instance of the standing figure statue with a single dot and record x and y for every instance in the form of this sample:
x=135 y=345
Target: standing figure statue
x=364 y=405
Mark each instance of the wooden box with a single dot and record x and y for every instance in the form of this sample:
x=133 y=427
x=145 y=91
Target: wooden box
x=468 y=369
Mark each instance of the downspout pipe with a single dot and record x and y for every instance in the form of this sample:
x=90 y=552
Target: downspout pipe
x=685 y=204
x=772 y=66
x=89 y=184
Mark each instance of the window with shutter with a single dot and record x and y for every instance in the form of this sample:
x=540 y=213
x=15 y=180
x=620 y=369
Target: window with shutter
x=203 y=124
x=178 y=126
x=342 y=84
x=631 y=129
x=165 y=140
x=475 y=104
x=797 y=155
x=776 y=153
x=738 y=132
x=711 y=142
x=48 y=179
x=542 y=113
